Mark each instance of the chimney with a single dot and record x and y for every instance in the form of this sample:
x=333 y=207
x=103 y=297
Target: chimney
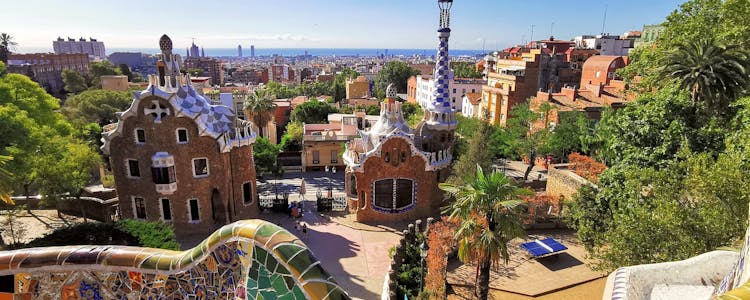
x=570 y=92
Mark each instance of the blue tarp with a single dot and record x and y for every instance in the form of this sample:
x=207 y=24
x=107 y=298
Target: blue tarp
x=539 y=248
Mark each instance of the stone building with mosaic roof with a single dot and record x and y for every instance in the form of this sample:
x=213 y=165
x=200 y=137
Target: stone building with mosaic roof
x=177 y=158
x=393 y=170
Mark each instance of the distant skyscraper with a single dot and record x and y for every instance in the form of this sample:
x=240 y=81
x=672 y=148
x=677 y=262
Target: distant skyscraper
x=194 y=51
x=203 y=52
x=239 y=50
x=92 y=47
x=252 y=51
x=187 y=52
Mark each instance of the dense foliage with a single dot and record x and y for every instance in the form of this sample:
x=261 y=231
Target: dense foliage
x=96 y=106
x=264 y=155
x=49 y=155
x=678 y=166
x=465 y=70
x=125 y=232
x=292 y=139
x=396 y=73
x=312 y=112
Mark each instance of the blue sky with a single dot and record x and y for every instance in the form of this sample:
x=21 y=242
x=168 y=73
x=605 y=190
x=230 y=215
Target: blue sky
x=321 y=23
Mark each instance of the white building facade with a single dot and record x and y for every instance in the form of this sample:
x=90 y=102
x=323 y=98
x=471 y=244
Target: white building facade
x=457 y=89
x=608 y=45
x=470 y=105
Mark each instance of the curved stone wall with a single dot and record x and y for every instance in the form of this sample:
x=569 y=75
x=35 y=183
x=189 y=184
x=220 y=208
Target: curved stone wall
x=250 y=259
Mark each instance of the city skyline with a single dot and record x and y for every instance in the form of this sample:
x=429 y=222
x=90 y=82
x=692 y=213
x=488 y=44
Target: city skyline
x=396 y=25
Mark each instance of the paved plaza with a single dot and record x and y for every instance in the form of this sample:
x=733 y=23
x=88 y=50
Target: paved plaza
x=524 y=276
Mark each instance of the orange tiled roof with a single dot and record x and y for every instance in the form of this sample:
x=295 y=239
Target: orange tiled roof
x=474 y=98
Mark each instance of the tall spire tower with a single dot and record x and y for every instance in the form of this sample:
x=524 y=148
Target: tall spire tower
x=435 y=132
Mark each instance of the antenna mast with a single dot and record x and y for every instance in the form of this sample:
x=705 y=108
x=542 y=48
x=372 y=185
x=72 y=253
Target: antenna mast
x=604 y=22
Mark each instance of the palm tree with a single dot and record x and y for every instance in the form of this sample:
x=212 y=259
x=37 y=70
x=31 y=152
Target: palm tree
x=6 y=45
x=488 y=208
x=714 y=74
x=259 y=109
x=5 y=178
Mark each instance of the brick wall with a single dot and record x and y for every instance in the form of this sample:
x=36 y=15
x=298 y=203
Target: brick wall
x=428 y=196
x=161 y=137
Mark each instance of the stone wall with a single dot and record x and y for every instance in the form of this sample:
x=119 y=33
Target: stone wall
x=563 y=183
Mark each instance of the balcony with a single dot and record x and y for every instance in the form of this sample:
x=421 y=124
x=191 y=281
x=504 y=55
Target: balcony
x=166 y=189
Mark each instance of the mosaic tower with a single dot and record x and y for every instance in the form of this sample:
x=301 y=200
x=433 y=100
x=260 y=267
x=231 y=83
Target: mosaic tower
x=435 y=131
x=392 y=170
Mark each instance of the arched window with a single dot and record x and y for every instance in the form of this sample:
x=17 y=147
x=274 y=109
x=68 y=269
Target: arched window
x=393 y=195
x=353 y=186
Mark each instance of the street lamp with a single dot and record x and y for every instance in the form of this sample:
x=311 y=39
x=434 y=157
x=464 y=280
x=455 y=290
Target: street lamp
x=423 y=247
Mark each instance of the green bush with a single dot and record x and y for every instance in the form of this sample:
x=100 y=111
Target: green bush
x=150 y=234
x=85 y=234
x=125 y=232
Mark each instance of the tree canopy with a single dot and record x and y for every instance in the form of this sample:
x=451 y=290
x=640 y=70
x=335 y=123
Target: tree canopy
x=96 y=106
x=465 y=70
x=312 y=112
x=677 y=156
x=396 y=73
x=48 y=155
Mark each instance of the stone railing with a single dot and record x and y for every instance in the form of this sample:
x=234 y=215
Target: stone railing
x=671 y=280
x=250 y=259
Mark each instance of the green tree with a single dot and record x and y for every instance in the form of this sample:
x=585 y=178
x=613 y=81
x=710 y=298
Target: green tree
x=465 y=70
x=5 y=180
x=528 y=143
x=279 y=91
x=96 y=106
x=292 y=139
x=65 y=169
x=259 y=108
x=475 y=154
x=125 y=70
x=264 y=155
x=715 y=75
x=373 y=110
x=395 y=72
x=7 y=44
x=99 y=69
x=312 y=112
x=573 y=134
x=74 y=81
x=488 y=209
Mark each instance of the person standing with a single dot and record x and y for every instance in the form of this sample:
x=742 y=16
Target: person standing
x=304 y=229
x=302 y=190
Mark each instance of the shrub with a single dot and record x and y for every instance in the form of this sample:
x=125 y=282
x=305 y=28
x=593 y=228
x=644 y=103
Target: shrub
x=586 y=167
x=150 y=234
x=124 y=232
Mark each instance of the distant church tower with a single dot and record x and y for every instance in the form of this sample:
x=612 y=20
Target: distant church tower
x=436 y=130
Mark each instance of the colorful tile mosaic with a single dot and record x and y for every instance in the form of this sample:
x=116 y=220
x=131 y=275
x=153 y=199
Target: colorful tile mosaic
x=253 y=260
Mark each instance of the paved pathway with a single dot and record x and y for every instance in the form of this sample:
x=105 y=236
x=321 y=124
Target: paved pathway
x=356 y=255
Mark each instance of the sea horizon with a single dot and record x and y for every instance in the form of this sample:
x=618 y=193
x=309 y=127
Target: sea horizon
x=287 y=52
